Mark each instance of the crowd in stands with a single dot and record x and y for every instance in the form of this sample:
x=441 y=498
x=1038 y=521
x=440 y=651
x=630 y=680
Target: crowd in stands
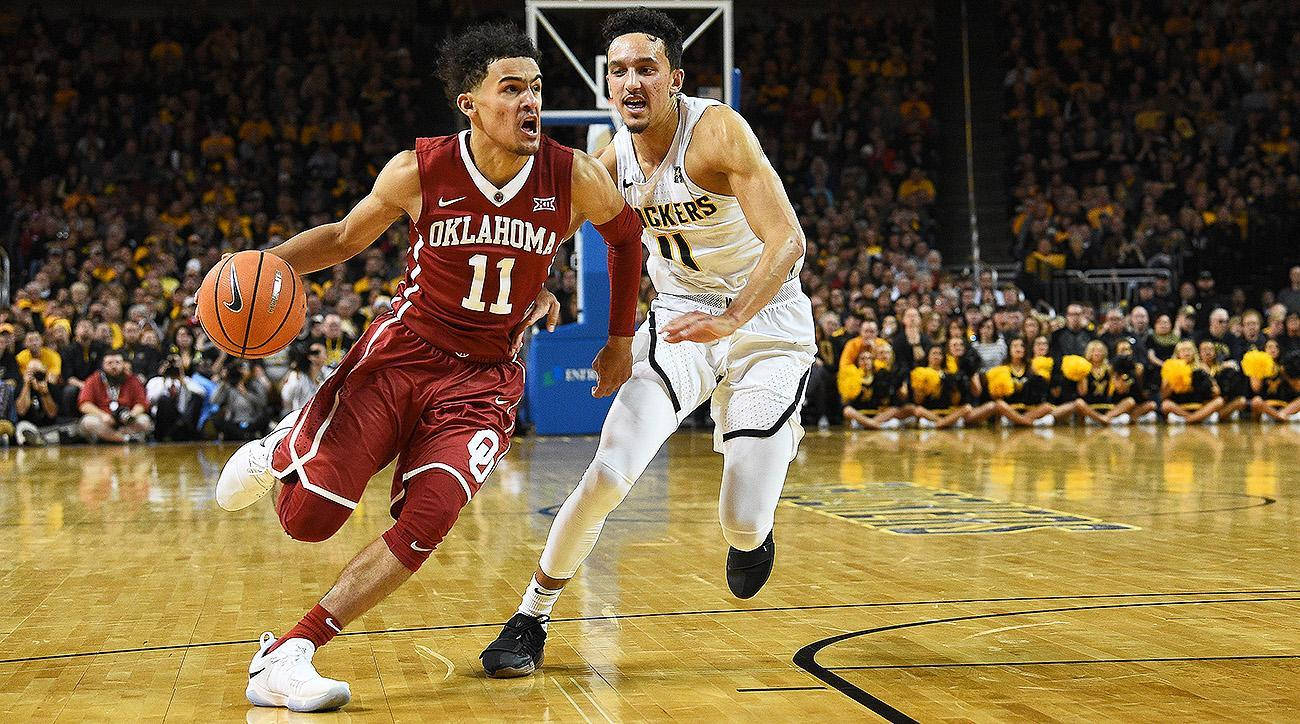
x=134 y=154
x=969 y=355
x=1151 y=135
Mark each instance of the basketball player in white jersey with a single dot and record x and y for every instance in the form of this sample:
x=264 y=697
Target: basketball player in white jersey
x=730 y=322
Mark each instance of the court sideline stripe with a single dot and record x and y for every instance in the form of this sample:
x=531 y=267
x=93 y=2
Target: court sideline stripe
x=705 y=612
x=806 y=657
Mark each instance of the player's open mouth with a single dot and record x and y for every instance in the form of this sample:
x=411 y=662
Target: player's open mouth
x=634 y=103
x=529 y=126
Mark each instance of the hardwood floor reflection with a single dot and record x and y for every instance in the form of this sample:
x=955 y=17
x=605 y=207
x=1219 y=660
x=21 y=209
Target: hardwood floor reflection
x=977 y=574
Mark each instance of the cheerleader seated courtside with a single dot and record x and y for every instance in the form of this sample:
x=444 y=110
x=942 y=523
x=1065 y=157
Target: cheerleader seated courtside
x=1276 y=383
x=936 y=393
x=1019 y=394
x=874 y=390
x=1231 y=384
x=1110 y=388
x=1188 y=392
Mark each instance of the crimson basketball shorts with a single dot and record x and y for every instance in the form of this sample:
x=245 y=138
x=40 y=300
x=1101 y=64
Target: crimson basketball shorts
x=446 y=420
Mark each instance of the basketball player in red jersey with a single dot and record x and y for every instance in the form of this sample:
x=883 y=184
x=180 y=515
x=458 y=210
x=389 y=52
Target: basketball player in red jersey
x=434 y=382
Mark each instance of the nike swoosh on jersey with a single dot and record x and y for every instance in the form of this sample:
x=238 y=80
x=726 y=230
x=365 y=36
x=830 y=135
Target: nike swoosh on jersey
x=462 y=355
x=448 y=202
x=416 y=547
x=236 y=302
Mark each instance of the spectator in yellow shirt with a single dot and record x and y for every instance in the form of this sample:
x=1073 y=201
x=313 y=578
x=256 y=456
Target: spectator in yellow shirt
x=34 y=348
x=918 y=186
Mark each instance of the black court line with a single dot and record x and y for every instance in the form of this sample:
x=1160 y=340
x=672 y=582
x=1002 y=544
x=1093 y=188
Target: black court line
x=763 y=689
x=977 y=664
x=806 y=657
x=1262 y=501
x=660 y=614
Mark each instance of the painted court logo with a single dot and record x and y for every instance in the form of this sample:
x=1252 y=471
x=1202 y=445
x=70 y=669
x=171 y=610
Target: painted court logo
x=907 y=509
x=543 y=203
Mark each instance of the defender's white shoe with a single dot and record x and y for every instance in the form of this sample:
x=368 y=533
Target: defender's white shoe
x=1148 y=419
x=1120 y=419
x=892 y=423
x=247 y=476
x=285 y=677
x=1045 y=421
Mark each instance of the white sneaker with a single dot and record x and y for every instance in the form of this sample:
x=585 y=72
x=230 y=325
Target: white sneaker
x=1148 y=419
x=285 y=677
x=247 y=476
x=1005 y=422
x=1120 y=419
x=1173 y=419
x=1267 y=419
x=1045 y=421
x=855 y=425
x=1089 y=422
x=27 y=434
x=892 y=423
x=924 y=423
x=1295 y=417
x=1213 y=419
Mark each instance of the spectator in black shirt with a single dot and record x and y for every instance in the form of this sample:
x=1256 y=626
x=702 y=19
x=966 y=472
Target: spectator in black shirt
x=1206 y=300
x=1114 y=331
x=1252 y=334
x=80 y=360
x=1074 y=337
x=1289 y=297
x=8 y=352
x=1163 y=299
x=1227 y=346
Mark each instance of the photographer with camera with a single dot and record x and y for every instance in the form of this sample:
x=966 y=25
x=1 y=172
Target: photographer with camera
x=35 y=404
x=175 y=401
x=113 y=404
x=243 y=412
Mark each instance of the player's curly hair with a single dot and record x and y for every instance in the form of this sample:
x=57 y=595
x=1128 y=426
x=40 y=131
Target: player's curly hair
x=654 y=23
x=465 y=56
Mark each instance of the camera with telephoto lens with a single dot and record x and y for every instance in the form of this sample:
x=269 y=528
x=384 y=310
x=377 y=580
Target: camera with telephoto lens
x=171 y=367
x=123 y=417
x=38 y=375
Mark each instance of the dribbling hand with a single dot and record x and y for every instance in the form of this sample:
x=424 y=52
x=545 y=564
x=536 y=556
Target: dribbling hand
x=546 y=305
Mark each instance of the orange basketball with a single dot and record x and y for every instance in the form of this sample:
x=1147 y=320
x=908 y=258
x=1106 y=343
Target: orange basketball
x=252 y=305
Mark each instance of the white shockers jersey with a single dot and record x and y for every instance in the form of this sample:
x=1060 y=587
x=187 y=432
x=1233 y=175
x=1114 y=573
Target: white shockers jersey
x=699 y=241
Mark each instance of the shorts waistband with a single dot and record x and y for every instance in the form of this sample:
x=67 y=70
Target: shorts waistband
x=789 y=291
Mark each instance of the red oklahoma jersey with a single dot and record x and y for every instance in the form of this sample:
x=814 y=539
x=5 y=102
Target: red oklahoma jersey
x=480 y=254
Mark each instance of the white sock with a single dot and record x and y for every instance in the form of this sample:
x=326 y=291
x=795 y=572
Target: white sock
x=538 y=600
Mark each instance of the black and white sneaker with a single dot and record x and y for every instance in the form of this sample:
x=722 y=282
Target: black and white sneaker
x=518 y=650
x=747 y=571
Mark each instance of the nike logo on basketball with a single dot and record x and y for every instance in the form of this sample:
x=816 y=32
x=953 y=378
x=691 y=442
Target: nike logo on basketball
x=236 y=302
x=448 y=202
x=330 y=622
x=416 y=547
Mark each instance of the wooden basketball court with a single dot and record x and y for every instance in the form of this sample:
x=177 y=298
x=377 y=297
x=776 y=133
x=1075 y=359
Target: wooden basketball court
x=1080 y=574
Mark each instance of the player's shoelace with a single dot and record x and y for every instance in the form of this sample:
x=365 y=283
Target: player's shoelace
x=528 y=633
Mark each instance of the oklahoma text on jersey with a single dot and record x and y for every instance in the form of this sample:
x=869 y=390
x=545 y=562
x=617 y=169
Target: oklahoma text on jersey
x=499 y=230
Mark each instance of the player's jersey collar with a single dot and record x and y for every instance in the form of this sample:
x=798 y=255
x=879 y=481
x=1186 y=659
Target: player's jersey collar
x=498 y=196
